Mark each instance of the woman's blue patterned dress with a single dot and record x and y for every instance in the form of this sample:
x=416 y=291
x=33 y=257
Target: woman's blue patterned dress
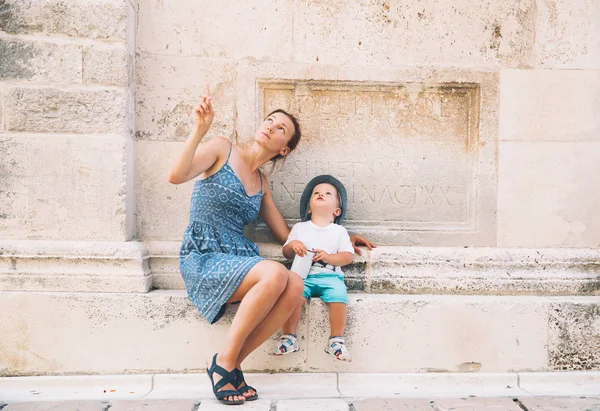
x=215 y=255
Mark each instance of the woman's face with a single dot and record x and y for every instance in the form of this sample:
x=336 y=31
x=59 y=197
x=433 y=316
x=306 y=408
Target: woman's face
x=275 y=133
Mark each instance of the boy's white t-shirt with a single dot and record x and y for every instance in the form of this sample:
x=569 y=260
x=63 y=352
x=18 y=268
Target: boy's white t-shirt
x=332 y=239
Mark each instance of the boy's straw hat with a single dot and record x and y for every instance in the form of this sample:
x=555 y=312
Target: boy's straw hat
x=325 y=178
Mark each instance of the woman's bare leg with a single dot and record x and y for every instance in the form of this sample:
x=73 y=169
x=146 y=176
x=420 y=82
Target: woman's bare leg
x=289 y=300
x=259 y=292
x=291 y=325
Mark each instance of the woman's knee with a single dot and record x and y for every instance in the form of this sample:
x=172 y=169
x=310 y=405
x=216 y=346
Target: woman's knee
x=275 y=274
x=295 y=286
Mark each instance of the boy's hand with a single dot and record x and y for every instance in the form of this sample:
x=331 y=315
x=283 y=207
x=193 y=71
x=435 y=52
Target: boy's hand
x=298 y=247
x=320 y=255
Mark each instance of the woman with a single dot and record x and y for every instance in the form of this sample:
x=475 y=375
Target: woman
x=218 y=264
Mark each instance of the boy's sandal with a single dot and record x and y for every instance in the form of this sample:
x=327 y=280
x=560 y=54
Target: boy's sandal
x=239 y=380
x=337 y=348
x=287 y=345
x=227 y=378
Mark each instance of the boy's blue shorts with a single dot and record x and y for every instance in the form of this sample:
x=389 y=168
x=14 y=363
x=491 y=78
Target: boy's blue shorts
x=328 y=287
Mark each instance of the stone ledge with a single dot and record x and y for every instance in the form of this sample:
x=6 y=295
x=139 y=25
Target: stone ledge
x=438 y=270
x=162 y=332
x=295 y=386
x=74 y=266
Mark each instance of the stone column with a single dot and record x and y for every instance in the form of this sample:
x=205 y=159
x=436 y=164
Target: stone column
x=66 y=163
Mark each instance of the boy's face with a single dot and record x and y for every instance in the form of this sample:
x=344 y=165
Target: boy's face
x=324 y=200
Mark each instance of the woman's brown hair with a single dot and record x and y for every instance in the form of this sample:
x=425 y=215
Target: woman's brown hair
x=294 y=140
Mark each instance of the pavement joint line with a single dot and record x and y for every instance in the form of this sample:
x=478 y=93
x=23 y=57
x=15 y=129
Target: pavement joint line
x=520 y=404
x=434 y=405
x=337 y=384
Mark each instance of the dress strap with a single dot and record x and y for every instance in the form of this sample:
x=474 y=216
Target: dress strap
x=230 y=149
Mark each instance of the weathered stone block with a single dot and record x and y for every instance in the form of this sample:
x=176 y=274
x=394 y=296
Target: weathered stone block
x=2 y=111
x=498 y=334
x=39 y=61
x=28 y=265
x=577 y=384
x=61 y=187
x=560 y=404
x=541 y=205
x=436 y=270
x=154 y=405
x=213 y=405
x=574 y=336
x=393 y=404
x=162 y=208
x=74 y=110
x=75 y=387
x=417 y=157
x=550 y=105
x=476 y=404
x=168 y=90
x=98 y=19
x=432 y=384
x=256 y=30
x=567 y=34
x=466 y=334
x=104 y=64
x=368 y=32
x=325 y=404
x=58 y=406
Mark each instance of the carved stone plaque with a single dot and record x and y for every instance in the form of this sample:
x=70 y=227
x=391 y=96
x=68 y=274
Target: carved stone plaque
x=407 y=153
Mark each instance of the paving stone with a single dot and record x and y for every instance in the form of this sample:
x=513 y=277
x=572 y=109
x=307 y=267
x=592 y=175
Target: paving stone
x=476 y=404
x=214 y=405
x=58 y=406
x=313 y=405
x=154 y=405
x=561 y=404
x=393 y=404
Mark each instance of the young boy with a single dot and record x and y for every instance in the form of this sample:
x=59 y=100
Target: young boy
x=324 y=202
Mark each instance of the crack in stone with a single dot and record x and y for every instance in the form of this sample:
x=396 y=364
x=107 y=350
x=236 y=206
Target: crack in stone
x=520 y=404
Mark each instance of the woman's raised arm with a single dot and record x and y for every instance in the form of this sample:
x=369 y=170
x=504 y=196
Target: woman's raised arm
x=193 y=161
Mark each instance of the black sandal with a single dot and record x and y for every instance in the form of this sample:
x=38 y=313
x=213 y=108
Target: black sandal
x=227 y=378
x=239 y=380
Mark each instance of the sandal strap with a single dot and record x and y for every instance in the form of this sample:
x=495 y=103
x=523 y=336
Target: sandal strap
x=227 y=377
x=246 y=388
x=241 y=380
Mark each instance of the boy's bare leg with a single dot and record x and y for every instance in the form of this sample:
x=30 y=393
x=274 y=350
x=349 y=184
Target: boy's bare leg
x=290 y=326
x=337 y=318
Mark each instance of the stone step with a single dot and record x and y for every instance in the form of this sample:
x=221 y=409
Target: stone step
x=138 y=267
x=438 y=270
x=161 y=331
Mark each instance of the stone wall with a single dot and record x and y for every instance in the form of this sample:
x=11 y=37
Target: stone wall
x=510 y=163
x=66 y=123
x=452 y=124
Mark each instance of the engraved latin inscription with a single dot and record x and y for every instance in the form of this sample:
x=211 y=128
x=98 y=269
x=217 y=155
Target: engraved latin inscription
x=406 y=153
